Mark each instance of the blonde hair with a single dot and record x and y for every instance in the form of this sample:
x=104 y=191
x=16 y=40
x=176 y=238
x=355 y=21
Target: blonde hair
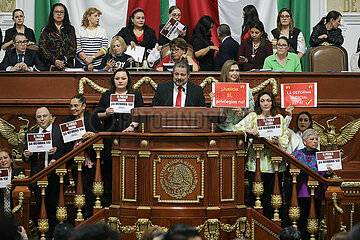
x=226 y=69
x=122 y=44
x=87 y=13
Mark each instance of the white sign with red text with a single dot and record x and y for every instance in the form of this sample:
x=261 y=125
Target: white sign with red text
x=269 y=127
x=4 y=177
x=329 y=159
x=39 y=142
x=73 y=130
x=170 y=29
x=122 y=103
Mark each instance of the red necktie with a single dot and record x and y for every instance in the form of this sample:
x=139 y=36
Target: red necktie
x=42 y=157
x=178 y=97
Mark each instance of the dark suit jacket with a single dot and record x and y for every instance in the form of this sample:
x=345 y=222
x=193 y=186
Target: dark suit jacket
x=227 y=50
x=31 y=59
x=164 y=95
x=57 y=141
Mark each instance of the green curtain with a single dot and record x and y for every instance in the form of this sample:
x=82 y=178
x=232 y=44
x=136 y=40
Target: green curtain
x=42 y=10
x=164 y=11
x=301 y=12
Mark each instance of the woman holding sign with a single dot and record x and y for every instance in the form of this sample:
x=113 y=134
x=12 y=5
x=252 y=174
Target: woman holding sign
x=230 y=72
x=307 y=156
x=266 y=110
x=115 y=118
x=92 y=126
x=6 y=162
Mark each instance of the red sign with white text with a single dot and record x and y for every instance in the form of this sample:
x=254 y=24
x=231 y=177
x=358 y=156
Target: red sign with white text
x=299 y=94
x=231 y=95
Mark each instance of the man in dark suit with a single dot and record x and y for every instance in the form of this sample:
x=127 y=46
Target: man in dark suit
x=229 y=48
x=39 y=161
x=179 y=92
x=20 y=58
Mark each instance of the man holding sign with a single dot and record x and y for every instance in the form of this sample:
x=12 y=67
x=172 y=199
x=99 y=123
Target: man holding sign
x=42 y=159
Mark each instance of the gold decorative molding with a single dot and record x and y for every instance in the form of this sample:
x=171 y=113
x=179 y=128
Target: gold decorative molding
x=232 y=178
x=144 y=143
x=254 y=222
x=180 y=159
x=84 y=80
x=144 y=154
x=212 y=143
x=146 y=80
x=336 y=206
x=115 y=153
x=19 y=205
x=213 y=154
x=208 y=80
x=241 y=153
x=213 y=208
x=350 y=185
x=123 y=178
x=261 y=86
x=143 y=208
x=352 y=212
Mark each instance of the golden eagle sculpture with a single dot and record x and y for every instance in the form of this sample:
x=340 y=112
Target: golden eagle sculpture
x=333 y=140
x=8 y=131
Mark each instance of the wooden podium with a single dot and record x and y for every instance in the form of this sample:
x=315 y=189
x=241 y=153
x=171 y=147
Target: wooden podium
x=178 y=119
x=176 y=170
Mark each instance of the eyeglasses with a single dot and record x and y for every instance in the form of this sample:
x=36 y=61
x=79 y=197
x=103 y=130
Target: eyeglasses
x=176 y=15
x=59 y=12
x=22 y=42
x=281 y=45
x=284 y=16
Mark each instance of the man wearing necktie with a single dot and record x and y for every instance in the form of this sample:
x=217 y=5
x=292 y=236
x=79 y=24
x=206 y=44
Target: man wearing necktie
x=179 y=92
x=20 y=58
x=41 y=160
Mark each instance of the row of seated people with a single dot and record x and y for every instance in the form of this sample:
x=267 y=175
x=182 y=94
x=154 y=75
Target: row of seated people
x=61 y=46
x=180 y=92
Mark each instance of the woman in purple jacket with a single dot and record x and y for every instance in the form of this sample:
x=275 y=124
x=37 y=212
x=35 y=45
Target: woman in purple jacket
x=307 y=156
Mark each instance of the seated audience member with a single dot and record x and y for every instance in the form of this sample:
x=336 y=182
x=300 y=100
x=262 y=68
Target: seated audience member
x=228 y=48
x=307 y=156
x=116 y=58
x=174 y=12
x=230 y=73
x=92 y=126
x=179 y=92
x=340 y=236
x=91 y=40
x=151 y=233
x=327 y=30
x=96 y=231
x=354 y=232
x=6 y=162
x=137 y=32
x=182 y=232
x=19 y=27
x=355 y=59
x=254 y=49
x=20 y=58
x=283 y=60
x=10 y=230
x=178 y=49
x=40 y=160
x=63 y=231
x=290 y=233
x=57 y=42
x=286 y=27
x=204 y=48
x=250 y=15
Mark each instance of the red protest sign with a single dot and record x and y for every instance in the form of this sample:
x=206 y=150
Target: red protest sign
x=231 y=95
x=299 y=94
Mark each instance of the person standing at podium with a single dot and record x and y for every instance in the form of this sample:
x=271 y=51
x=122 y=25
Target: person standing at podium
x=179 y=92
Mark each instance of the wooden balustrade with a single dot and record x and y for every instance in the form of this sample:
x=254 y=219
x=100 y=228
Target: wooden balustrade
x=98 y=186
x=61 y=210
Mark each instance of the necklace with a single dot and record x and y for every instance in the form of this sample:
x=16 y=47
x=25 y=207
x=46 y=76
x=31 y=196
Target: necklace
x=255 y=48
x=91 y=38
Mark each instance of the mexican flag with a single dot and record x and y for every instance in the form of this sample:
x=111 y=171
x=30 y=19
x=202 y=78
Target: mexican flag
x=116 y=12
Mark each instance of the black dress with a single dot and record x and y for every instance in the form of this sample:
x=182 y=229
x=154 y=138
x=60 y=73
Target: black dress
x=206 y=62
x=29 y=34
x=149 y=39
x=92 y=124
x=119 y=121
x=121 y=60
